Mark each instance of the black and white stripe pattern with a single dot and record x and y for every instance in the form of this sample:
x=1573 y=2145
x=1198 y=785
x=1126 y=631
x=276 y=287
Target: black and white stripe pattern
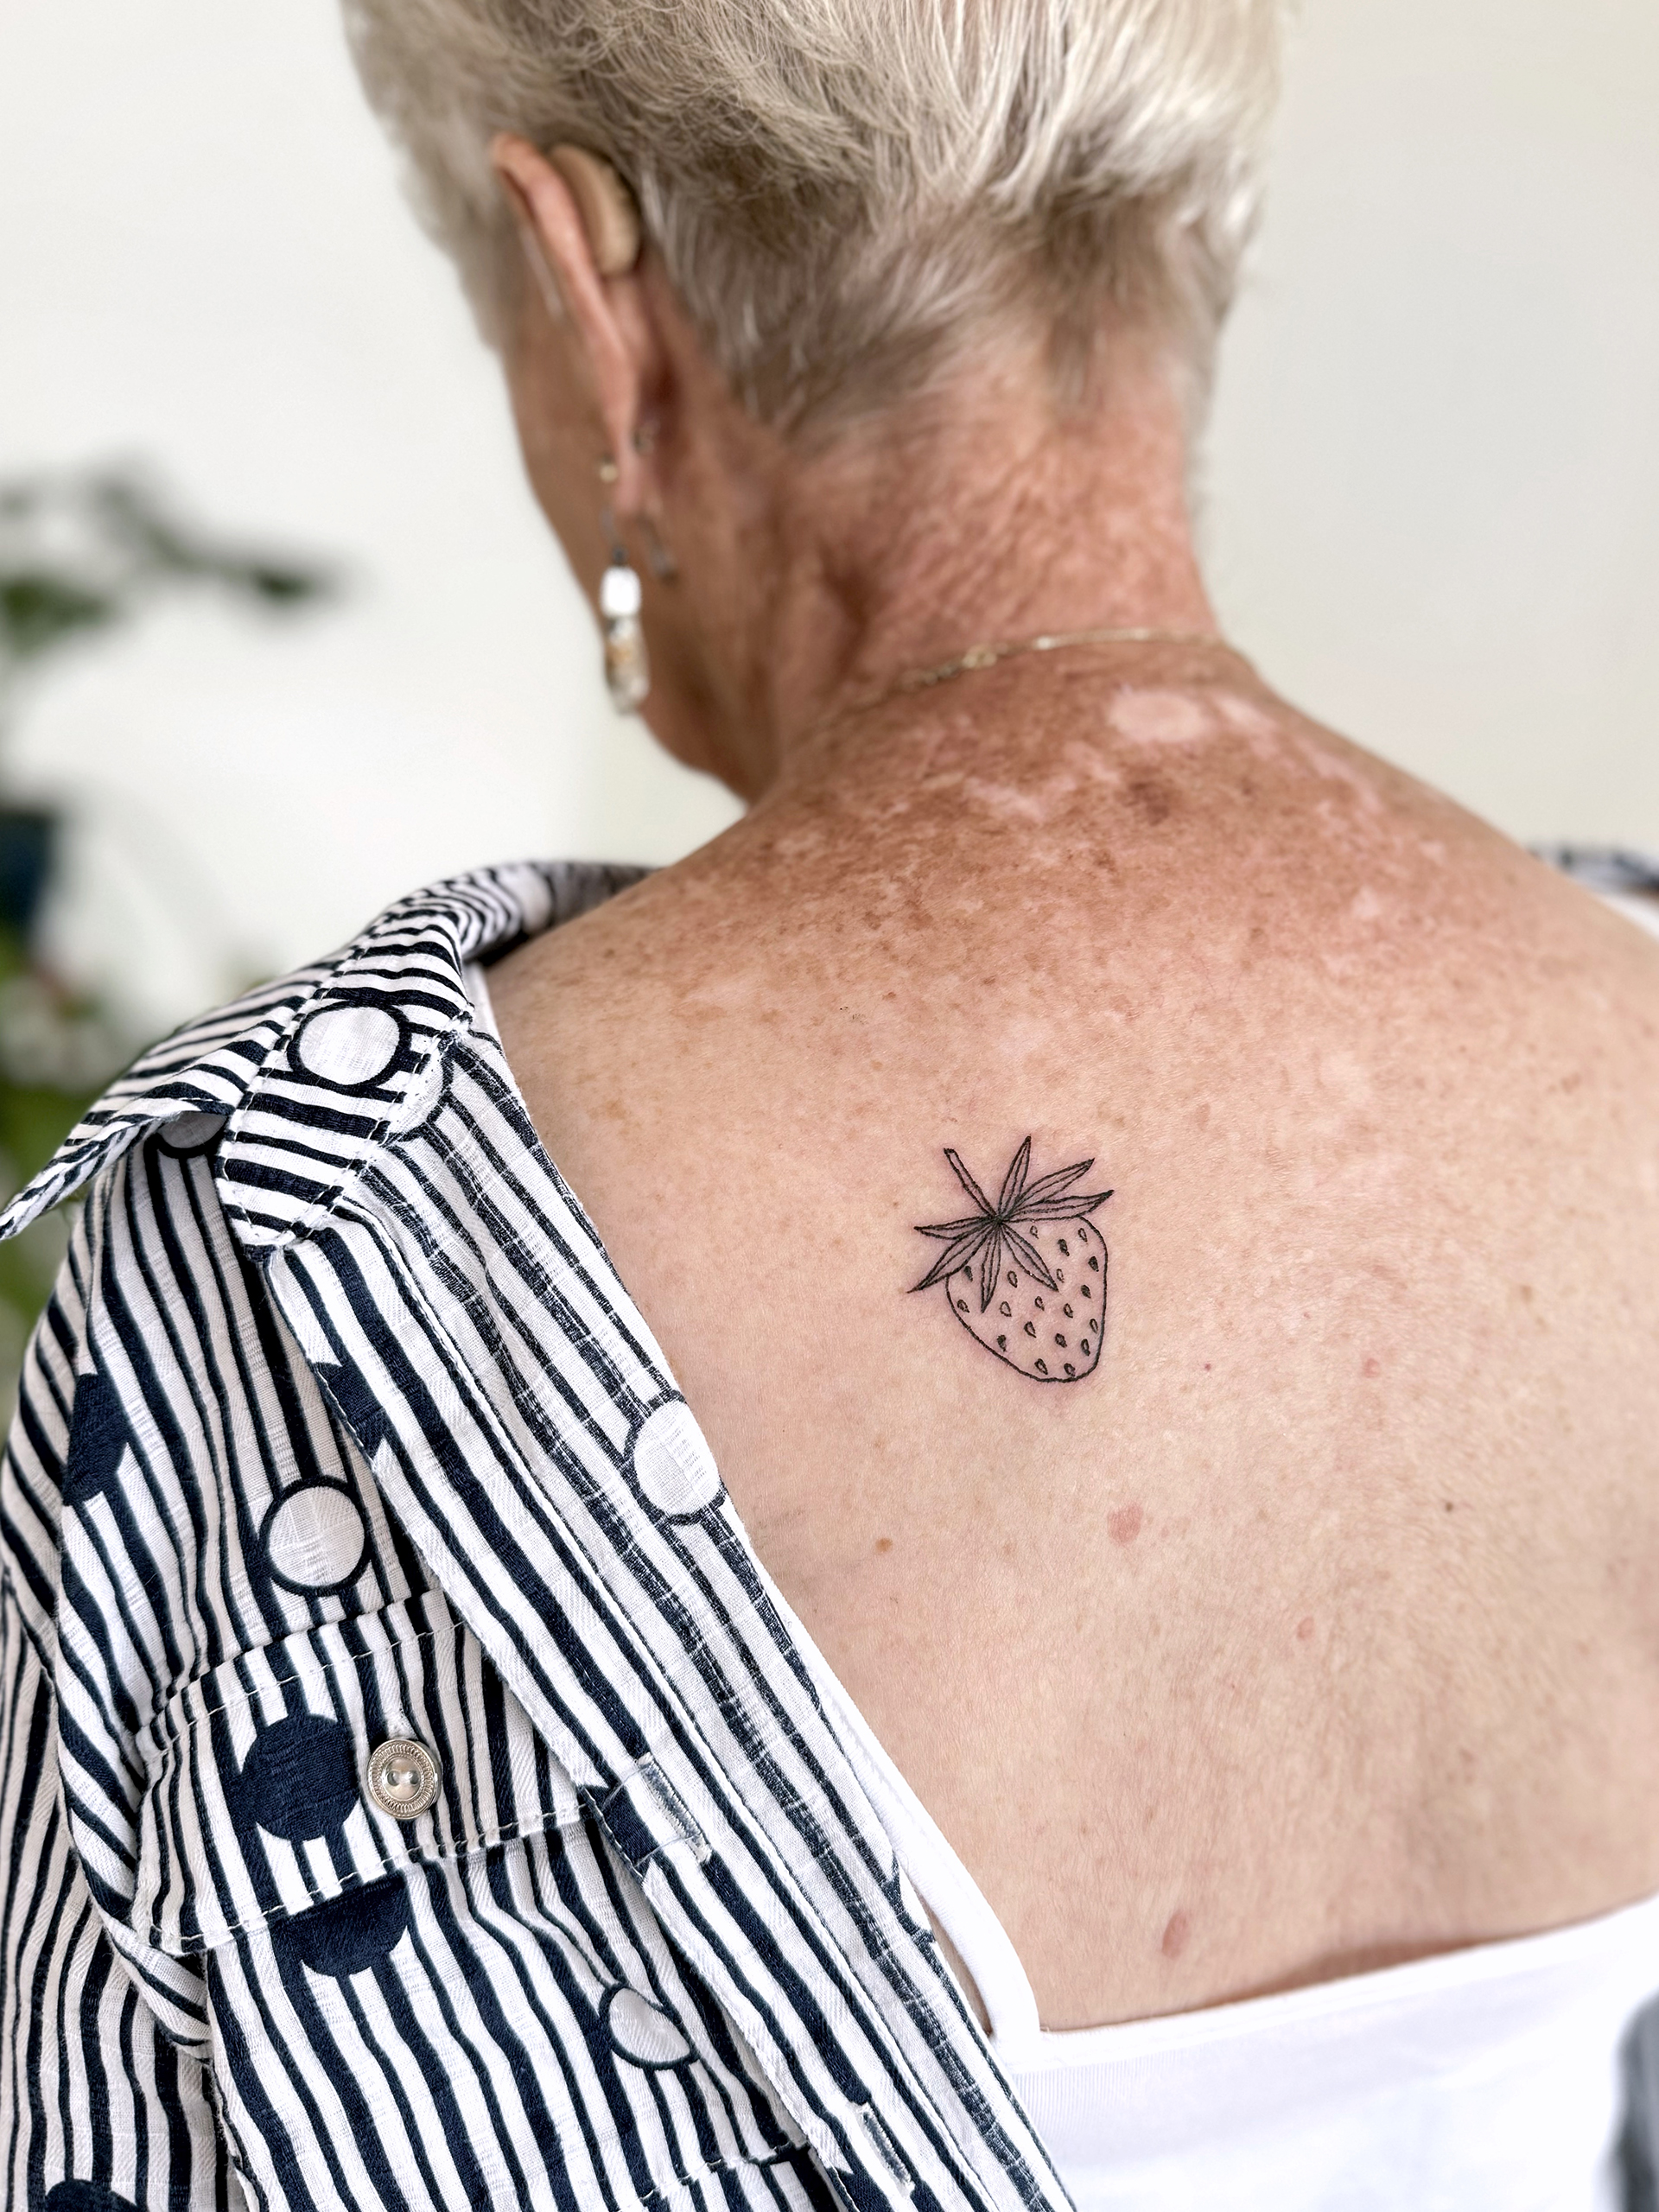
x=342 y=1429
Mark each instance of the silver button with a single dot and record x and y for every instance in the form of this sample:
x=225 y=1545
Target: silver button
x=403 y=1778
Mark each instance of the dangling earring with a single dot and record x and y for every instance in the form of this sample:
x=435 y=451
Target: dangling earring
x=627 y=670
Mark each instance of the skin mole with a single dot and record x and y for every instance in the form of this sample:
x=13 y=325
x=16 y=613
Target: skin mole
x=1151 y=799
x=1125 y=1525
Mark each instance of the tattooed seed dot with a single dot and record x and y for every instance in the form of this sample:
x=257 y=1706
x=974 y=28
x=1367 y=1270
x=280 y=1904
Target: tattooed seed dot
x=971 y=1298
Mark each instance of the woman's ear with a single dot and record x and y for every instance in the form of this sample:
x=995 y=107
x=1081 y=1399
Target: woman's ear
x=582 y=234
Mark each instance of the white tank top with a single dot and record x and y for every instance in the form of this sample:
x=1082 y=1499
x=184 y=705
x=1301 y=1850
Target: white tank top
x=1486 y=2080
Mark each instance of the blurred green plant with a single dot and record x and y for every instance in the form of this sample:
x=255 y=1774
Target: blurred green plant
x=82 y=553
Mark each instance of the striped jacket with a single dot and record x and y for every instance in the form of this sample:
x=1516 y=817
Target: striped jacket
x=411 y=1791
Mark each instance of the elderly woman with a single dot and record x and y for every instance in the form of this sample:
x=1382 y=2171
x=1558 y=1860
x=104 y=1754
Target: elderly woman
x=1086 y=1623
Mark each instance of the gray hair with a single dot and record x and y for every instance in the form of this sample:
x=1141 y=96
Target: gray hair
x=846 y=195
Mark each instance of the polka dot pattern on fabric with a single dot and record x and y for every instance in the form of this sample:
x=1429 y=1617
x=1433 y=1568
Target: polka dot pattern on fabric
x=643 y=2032
x=191 y=1134
x=85 y=2197
x=347 y=1934
x=299 y=1779
x=99 y=1441
x=671 y=1464
x=314 y=1538
x=352 y=1047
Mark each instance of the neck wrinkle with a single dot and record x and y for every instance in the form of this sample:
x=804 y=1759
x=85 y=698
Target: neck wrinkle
x=990 y=524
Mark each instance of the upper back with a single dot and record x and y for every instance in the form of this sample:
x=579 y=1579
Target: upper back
x=1320 y=1622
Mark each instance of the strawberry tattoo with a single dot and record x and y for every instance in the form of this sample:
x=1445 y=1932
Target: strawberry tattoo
x=1027 y=1274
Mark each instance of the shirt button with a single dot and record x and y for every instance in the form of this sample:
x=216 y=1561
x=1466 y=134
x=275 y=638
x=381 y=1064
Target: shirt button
x=403 y=1778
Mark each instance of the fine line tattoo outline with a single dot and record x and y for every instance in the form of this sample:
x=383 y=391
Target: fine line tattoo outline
x=1037 y=1298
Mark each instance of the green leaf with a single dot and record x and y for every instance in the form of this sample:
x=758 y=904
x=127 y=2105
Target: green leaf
x=39 y=610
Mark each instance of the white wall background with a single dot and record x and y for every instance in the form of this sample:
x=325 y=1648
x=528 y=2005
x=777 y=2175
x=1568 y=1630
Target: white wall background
x=1433 y=517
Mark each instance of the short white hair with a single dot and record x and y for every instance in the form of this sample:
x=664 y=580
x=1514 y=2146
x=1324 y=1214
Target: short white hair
x=846 y=195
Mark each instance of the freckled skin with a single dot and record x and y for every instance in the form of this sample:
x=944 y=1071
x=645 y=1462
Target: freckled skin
x=1360 y=1073
x=1317 y=1317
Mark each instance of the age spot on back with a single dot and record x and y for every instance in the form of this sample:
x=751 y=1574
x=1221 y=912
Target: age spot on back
x=1124 y=1525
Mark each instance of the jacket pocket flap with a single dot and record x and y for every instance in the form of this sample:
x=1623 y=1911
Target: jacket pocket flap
x=261 y=1778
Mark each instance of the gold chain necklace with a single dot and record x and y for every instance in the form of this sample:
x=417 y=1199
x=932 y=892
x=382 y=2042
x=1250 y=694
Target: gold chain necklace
x=988 y=656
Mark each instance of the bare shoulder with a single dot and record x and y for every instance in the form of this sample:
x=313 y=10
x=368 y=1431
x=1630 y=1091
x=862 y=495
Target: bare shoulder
x=1289 y=996
x=1352 y=1505
x=1208 y=846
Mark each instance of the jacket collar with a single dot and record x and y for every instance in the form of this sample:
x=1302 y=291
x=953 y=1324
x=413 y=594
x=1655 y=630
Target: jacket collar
x=351 y=1045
